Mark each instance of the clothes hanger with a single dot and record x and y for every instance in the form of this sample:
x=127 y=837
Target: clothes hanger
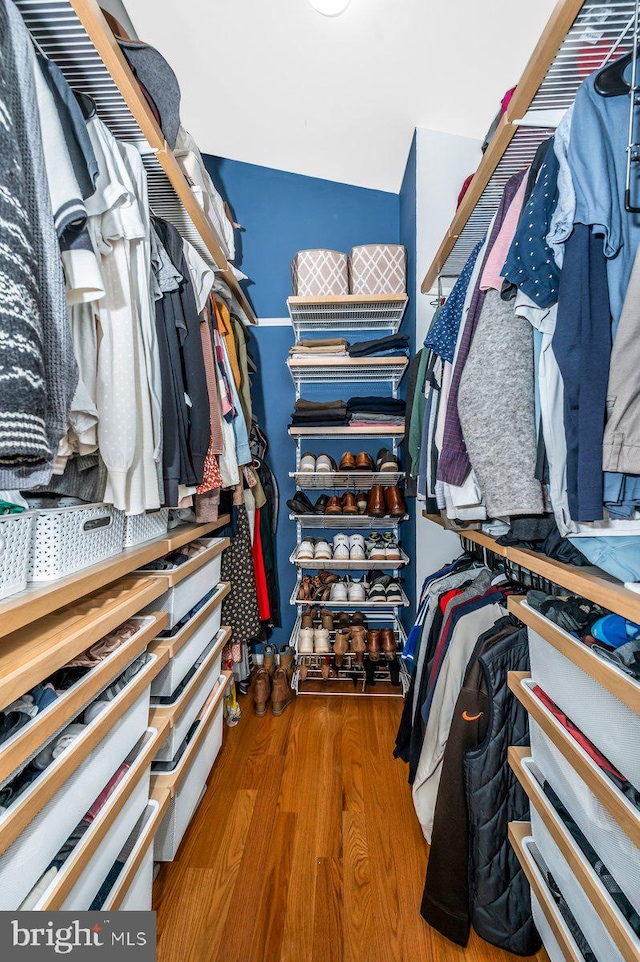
x=609 y=81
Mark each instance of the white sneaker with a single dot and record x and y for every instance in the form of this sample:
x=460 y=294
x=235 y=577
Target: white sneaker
x=340 y=539
x=323 y=551
x=356 y=548
x=305 y=641
x=356 y=592
x=307 y=463
x=341 y=552
x=339 y=591
x=322 y=645
x=324 y=464
x=305 y=551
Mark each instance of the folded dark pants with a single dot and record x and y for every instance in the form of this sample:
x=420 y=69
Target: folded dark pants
x=380 y=345
x=377 y=405
x=303 y=405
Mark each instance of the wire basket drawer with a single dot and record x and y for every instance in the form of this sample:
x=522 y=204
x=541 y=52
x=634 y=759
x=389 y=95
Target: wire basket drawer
x=549 y=940
x=68 y=539
x=605 y=720
x=208 y=674
x=179 y=599
x=185 y=658
x=15 y=549
x=614 y=847
x=139 y=528
x=137 y=896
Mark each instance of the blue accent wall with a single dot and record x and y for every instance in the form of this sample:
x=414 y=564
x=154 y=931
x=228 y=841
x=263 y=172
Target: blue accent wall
x=282 y=213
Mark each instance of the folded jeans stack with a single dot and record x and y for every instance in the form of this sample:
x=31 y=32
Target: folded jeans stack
x=320 y=414
x=371 y=410
x=380 y=346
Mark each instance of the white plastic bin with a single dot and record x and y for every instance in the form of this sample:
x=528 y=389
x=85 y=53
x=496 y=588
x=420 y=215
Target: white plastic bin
x=187 y=652
x=139 y=528
x=186 y=585
x=15 y=550
x=603 y=718
x=68 y=539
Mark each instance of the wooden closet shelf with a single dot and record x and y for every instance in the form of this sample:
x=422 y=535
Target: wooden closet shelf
x=588 y=582
x=172 y=781
x=519 y=832
x=45 y=725
x=35 y=652
x=373 y=431
x=627 y=817
x=585 y=876
x=41 y=598
x=170 y=714
x=616 y=681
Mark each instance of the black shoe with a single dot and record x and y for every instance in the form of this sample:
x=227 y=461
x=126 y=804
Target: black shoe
x=320 y=504
x=370 y=672
x=300 y=504
x=387 y=461
x=394 y=671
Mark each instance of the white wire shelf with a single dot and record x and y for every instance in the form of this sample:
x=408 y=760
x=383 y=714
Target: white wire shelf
x=351 y=312
x=349 y=521
x=339 y=565
x=364 y=606
x=354 y=480
x=346 y=431
x=346 y=369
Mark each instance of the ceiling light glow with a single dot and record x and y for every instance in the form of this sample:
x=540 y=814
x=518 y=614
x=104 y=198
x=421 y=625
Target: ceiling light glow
x=330 y=8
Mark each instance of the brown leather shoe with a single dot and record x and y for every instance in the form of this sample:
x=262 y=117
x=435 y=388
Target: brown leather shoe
x=326 y=619
x=394 y=501
x=347 y=462
x=341 y=645
x=333 y=506
x=261 y=691
x=282 y=694
x=342 y=619
x=357 y=618
x=364 y=462
x=388 y=643
x=349 y=504
x=358 y=643
x=325 y=668
x=361 y=500
x=373 y=644
x=309 y=615
x=376 y=507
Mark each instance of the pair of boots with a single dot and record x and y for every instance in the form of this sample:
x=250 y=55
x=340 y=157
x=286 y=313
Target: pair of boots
x=273 y=684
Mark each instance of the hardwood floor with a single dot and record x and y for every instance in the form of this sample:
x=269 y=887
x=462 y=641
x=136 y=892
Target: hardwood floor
x=305 y=848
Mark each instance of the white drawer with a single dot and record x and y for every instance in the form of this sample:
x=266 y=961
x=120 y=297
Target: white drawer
x=605 y=720
x=132 y=890
x=26 y=859
x=184 y=711
x=188 y=583
x=139 y=895
x=615 y=848
x=187 y=645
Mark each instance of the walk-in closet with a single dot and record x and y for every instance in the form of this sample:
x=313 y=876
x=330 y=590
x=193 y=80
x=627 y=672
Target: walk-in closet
x=320 y=480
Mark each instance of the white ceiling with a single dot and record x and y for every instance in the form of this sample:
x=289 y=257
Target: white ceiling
x=273 y=82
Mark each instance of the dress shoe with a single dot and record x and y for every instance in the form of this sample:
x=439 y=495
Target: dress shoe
x=373 y=644
x=349 y=504
x=341 y=645
x=364 y=462
x=282 y=694
x=387 y=461
x=333 y=505
x=287 y=657
x=269 y=657
x=361 y=501
x=394 y=501
x=347 y=462
x=320 y=504
x=358 y=643
x=388 y=643
x=261 y=691
x=300 y=504
x=376 y=507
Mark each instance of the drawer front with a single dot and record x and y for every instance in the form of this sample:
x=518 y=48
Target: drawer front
x=170 y=677
x=549 y=940
x=178 y=734
x=180 y=599
x=26 y=859
x=605 y=720
x=139 y=895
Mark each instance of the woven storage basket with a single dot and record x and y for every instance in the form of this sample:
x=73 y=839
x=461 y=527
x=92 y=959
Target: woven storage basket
x=139 y=528
x=15 y=549
x=320 y=273
x=378 y=269
x=69 y=539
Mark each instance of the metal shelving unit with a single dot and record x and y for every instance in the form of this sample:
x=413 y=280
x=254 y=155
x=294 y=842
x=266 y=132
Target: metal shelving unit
x=354 y=522
x=351 y=312
x=342 y=565
x=358 y=370
x=344 y=480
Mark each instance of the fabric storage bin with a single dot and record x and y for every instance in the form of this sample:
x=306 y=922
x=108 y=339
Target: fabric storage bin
x=189 y=782
x=319 y=273
x=139 y=528
x=66 y=540
x=15 y=551
x=186 y=708
x=604 y=719
x=27 y=858
x=188 y=644
x=189 y=583
x=32 y=736
x=132 y=889
x=615 y=848
x=378 y=269
x=112 y=825
x=592 y=926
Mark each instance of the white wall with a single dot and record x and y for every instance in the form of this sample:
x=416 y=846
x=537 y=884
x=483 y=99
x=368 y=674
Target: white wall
x=443 y=161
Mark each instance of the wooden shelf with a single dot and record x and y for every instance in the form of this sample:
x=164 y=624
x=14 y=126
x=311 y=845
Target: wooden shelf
x=41 y=598
x=170 y=715
x=347 y=432
x=588 y=582
x=348 y=300
x=585 y=876
x=172 y=781
x=604 y=672
x=32 y=654
x=161 y=799
x=174 y=643
x=519 y=832
x=173 y=577
x=297 y=361
x=625 y=814
x=14 y=821
x=44 y=726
